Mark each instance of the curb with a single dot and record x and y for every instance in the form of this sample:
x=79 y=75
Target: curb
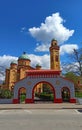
x=38 y=108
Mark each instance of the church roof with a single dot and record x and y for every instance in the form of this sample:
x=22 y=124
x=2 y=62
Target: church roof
x=24 y=56
x=37 y=65
x=40 y=72
x=14 y=62
x=53 y=39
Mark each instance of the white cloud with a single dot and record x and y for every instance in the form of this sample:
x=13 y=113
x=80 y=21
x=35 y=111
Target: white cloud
x=52 y=28
x=6 y=60
x=23 y=29
x=2 y=78
x=42 y=47
x=5 y=63
x=35 y=59
x=68 y=48
x=44 y=60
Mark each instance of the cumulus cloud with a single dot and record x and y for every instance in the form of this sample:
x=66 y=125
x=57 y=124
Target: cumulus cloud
x=68 y=48
x=5 y=63
x=42 y=47
x=2 y=77
x=35 y=59
x=23 y=29
x=6 y=60
x=52 y=28
x=44 y=60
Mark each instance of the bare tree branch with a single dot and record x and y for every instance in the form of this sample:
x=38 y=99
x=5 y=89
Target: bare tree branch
x=75 y=64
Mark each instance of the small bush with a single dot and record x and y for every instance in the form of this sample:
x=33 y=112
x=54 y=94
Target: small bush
x=5 y=93
x=22 y=97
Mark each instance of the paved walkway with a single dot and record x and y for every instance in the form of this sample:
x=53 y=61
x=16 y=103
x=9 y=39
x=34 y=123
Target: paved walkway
x=41 y=106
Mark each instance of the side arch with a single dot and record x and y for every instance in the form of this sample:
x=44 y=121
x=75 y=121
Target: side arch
x=17 y=91
x=21 y=95
x=65 y=94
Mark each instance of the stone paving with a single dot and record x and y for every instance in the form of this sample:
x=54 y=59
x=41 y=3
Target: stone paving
x=41 y=106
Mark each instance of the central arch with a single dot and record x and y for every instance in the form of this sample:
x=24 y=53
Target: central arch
x=40 y=90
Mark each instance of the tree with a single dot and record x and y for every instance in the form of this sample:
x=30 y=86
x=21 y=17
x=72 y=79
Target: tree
x=75 y=64
x=77 y=56
x=71 y=76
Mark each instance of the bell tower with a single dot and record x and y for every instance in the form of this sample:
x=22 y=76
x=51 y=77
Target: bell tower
x=54 y=55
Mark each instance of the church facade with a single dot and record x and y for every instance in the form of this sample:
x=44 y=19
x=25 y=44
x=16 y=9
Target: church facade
x=21 y=75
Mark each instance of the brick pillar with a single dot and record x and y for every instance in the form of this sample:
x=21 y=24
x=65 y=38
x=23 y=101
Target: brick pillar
x=72 y=100
x=15 y=101
x=29 y=101
x=58 y=100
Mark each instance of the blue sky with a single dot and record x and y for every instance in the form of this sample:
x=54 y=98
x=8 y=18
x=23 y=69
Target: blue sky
x=29 y=25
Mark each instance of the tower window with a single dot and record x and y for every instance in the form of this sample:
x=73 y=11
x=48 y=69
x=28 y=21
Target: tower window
x=56 y=58
x=52 y=58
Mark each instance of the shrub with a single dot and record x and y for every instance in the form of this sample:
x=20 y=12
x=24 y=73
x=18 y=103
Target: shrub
x=45 y=96
x=5 y=93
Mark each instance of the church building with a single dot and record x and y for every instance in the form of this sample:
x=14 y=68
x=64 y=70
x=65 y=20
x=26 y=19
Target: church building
x=21 y=75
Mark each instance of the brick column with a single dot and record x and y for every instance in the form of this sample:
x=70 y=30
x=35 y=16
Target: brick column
x=29 y=101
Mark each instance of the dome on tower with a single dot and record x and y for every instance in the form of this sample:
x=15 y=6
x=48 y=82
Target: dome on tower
x=14 y=62
x=38 y=65
x=53 y=42
x=24 y=56
x=54 y=39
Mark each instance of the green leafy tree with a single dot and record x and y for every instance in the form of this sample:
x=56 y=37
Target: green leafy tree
x=73 y=77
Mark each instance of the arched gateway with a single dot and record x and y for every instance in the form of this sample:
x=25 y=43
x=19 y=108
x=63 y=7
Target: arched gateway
x=58 y=83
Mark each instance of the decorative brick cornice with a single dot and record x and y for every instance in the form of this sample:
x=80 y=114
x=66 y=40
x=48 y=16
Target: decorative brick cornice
x=56 y=48
x=42 y=73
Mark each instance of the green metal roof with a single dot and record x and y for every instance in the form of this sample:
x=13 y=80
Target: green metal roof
x=38 y=65
x=14 y=62
x=24 y=56
x=53 y=39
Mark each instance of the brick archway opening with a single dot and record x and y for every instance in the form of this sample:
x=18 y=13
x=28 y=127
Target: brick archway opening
x=43 y=92
x=22 y=95
x=65 y=94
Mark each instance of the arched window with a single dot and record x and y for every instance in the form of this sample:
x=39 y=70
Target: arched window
x=56 y=58
x=52 y=58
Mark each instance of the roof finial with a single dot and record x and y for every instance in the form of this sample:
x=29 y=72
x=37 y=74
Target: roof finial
x=24 y=52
